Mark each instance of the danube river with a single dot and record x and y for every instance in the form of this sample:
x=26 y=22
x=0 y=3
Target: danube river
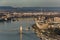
x=9 y=30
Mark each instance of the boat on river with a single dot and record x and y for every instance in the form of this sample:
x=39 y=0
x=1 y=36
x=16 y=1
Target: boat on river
x=47 y=28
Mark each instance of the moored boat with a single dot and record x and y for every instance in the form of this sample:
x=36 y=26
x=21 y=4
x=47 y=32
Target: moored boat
x=47 y=29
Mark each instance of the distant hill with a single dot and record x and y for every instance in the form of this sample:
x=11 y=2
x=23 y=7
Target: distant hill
x=26 y=9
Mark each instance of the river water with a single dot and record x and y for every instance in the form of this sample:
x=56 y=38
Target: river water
x=10 y=30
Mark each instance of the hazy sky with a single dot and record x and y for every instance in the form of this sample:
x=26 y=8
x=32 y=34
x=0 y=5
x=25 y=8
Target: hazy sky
x=30 y=3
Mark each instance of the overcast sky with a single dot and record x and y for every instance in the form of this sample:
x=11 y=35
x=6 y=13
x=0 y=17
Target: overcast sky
x=30 y=3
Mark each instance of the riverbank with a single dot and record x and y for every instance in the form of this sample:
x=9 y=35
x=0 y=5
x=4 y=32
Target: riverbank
x=17 y=19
